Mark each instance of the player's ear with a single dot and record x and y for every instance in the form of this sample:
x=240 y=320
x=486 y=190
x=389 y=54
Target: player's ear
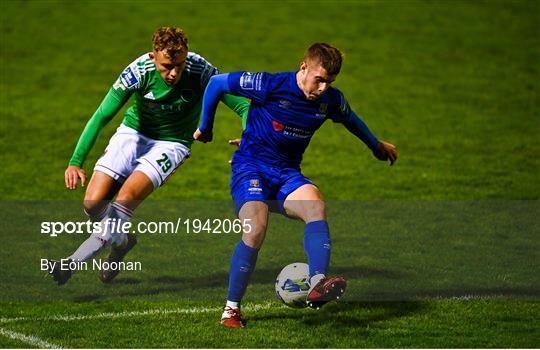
x=303 y=66
x=152 y=56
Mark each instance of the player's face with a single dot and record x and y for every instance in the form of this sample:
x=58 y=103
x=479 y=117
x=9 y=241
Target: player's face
x=170 y=70
x=314 y=80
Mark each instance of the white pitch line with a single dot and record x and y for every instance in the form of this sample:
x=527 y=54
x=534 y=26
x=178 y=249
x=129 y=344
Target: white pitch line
x=28 y=339
x=467 y=297
x=113 y=315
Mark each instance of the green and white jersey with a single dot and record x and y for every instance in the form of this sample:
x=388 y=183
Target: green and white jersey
x=158 y=111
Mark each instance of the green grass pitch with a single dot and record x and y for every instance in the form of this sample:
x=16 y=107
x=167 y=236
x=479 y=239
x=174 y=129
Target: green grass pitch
x=440 y=250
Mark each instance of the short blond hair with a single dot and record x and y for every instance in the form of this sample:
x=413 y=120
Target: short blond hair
x=170 y=39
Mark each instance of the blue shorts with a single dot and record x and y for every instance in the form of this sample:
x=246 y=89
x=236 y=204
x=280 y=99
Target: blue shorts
x=256 y=181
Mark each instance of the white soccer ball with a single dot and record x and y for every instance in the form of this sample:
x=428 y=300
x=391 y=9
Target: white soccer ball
x=292 y=285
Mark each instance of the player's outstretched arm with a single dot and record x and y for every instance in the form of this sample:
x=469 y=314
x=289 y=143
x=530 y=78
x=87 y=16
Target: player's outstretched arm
x=217 y=86
x=381 y=150
x=108 y=108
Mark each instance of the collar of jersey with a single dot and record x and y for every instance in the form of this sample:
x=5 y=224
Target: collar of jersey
x=295 y=86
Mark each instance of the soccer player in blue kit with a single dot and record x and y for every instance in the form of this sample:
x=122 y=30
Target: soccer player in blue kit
x=286 y=109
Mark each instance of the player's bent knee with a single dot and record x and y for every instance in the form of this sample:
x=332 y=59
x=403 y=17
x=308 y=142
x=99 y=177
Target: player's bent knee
x=131 y=197
x=255 y=236
x=126 y=197
x=314 y=210
x=254 y=229
x=94 y=205
x=136 y=188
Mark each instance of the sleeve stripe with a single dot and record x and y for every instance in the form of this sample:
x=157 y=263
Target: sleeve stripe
x=200 y=66
x=196 y=71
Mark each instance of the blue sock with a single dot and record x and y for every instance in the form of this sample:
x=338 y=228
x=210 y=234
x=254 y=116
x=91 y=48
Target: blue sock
x=318 y=246
x=243 y=261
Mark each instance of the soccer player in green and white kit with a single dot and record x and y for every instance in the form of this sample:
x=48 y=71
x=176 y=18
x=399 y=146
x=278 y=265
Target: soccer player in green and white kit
x=153 y=140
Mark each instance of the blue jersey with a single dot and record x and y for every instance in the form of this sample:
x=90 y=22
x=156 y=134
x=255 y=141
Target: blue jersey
x=280 y=124
x=281 y=120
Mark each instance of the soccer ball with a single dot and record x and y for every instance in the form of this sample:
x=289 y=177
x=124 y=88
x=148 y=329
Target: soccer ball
x=292 y=285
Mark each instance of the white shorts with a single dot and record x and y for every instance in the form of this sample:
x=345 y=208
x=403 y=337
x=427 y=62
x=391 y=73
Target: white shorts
x=129 y=151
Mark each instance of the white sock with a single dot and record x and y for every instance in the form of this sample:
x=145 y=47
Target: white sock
x=233 y=304
x=122 y=214
x=110 y=232
x=315 y=279
x=88 y=248
x=94 y=243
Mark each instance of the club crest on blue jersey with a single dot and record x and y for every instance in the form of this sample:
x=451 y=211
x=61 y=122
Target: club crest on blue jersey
x=254 y=183
x=129 y=78
x=323 y=107
x=344 y=105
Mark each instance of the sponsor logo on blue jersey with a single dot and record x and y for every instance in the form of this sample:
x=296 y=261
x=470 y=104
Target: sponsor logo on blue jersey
x=291 y=130
x=129 y=78
x=297 y=132
x=277 y=125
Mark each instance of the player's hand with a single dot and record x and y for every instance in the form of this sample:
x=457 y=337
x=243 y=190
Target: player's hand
x=72 y=175
x=203 y=136
x=386 y=151
x=234 y=142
